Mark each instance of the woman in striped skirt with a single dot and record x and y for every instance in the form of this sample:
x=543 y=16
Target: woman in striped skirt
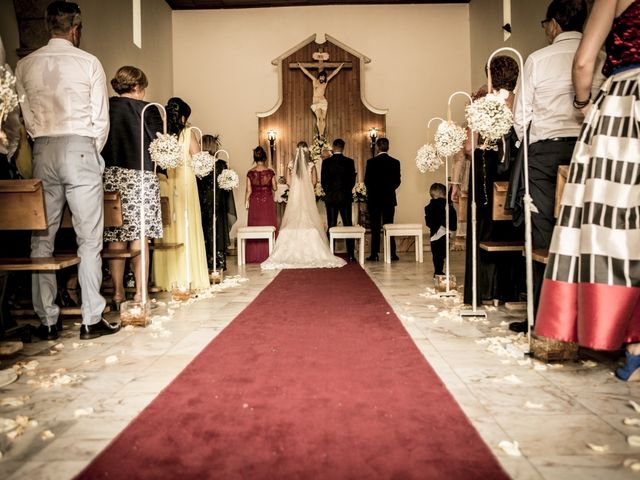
x=591 y=291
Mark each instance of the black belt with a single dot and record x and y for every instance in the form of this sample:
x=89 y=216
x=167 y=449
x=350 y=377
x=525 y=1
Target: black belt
x=559 y=139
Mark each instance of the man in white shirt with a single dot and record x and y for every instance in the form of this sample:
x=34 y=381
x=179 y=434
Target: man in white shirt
x=554 y=123
x=65 y=110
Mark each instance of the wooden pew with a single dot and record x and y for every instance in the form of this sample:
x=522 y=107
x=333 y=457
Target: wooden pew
x=112 y=218
x=167 y=214
x=22 y=208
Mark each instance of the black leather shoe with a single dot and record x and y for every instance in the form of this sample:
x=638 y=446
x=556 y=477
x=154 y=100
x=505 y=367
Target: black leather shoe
x=395 y=258
x=351 y=259
x=98 y=329
x=372 y=258
x=47 y=332
x=519 y=327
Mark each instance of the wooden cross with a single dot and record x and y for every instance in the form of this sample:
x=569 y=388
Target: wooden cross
x=321 y=63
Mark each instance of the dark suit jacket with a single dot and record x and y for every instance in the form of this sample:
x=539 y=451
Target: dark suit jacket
x=382 y=177
x=123 y=144
x=338 y=177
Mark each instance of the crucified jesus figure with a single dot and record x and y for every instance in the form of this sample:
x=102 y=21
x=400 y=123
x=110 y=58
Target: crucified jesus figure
x=319 y=104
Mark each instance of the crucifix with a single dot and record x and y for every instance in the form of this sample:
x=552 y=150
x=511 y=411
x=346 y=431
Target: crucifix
x=319 y=103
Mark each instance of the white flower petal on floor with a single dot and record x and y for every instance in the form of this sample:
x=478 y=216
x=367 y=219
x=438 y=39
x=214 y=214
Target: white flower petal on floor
x=111 y=359
x=13 y=401
x=83 y=412
x=589 y=364
x=633 y=464
x=510 y=448
x=635 y=406
x=534 y=406
x=632 y=422
x=47 y=435
x=634 y=440
x=598 y=448
x=509 y=380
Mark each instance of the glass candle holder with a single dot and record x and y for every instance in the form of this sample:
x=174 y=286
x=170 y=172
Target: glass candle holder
x=215 y=277
x=440 y=282
x=135 y=313
x=181 y=291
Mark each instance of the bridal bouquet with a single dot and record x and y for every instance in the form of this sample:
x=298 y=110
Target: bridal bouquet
x=228 y=179
x=490 y=116
x=319 y=144
x=202 y=164
x=8 y=97
x=360 y=192
x=319 y=192
x=165 y=151
x=427 y=159
x=449 y=138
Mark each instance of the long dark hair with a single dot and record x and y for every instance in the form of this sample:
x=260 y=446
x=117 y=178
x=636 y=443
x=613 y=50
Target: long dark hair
x=178 y=111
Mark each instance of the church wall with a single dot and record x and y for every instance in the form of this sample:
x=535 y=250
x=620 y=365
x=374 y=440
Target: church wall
x=107 y=33
x=486 y=32
x=420 y=54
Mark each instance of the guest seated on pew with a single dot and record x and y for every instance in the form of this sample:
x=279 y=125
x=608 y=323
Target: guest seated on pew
x=498 y=278
x=68 y=136
x=121 y=155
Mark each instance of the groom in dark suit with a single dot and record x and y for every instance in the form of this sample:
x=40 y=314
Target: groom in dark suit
x=338 y=177
x=381 y=177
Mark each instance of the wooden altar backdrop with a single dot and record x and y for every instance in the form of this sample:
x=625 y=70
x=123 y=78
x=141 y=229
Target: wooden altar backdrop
x=349 y=116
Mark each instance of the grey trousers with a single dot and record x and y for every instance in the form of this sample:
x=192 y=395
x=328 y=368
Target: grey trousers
x=71 y=171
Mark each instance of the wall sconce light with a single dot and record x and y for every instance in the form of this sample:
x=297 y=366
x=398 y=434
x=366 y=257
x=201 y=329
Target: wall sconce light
x=373 y=135
x=271 y=136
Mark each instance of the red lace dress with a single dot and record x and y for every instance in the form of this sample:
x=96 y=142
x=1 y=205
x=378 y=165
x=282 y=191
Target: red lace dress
x=262 y=212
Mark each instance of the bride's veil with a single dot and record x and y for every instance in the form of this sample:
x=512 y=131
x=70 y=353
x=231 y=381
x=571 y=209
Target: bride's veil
x=301 y=211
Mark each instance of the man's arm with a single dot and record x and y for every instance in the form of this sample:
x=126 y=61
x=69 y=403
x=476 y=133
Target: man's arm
x=324 y=175
x=306 y=72
x=519 y=116
x=25 y=106
x=335 y=72
x=352 y=173
x=99 y=105
x=397 y=175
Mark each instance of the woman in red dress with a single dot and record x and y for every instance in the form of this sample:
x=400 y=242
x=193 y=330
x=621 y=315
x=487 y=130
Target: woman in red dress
x=261 y=183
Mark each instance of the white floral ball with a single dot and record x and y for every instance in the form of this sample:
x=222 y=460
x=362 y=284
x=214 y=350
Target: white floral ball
x=427 y=159
x=449 y=138
x=202 y=164
x=228 y=179
x=165 y=151
x=490 y=116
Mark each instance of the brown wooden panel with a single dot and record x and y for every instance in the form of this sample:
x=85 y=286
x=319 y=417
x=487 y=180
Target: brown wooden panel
x=112 y=212
x=563 y=173
x=499 y=201
x=347 y=117
x=44 y=263
x=515 y=246
x=22 y=205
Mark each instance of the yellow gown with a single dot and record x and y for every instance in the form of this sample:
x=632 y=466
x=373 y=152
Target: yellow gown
x=187 y=263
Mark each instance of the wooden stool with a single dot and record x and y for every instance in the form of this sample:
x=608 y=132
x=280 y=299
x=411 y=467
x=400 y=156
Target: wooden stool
x=355 y=232
x=402 y=230
x=254 y=233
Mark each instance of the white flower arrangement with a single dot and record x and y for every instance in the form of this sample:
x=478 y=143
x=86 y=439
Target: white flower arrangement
x=360 y=192
x=202 y=163
x=490 y=116
x=165 y=151
x=9 y=99
x=427 y=159
x=228 y=179
x=449 y=138
x=319 y=144
x=319 y=191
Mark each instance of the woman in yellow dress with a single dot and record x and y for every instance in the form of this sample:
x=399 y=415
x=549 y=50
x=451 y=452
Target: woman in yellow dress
x=185 y=264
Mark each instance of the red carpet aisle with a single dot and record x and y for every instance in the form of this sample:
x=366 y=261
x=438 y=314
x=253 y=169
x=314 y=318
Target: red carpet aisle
x=315 y=379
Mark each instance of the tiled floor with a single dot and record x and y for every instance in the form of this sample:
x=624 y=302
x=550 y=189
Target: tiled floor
x=576 y=404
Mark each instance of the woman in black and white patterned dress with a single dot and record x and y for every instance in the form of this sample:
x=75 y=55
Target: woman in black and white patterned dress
x=122 y=173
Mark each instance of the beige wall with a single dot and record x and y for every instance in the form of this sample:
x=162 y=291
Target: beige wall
x=487 y=35
x=420 y=54
x=107 y=33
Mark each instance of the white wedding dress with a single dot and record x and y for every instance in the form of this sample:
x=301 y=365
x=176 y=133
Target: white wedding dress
x=302 y=241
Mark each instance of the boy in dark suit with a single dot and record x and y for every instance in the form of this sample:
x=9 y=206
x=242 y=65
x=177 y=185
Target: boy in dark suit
x=338 y=177
x=435 y=218
x=382 y=178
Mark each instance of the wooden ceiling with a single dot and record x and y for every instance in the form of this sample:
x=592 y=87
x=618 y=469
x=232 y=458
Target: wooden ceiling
x=218 y=4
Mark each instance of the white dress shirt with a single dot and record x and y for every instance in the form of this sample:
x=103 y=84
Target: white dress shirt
x=548 y=94
x=65 y=93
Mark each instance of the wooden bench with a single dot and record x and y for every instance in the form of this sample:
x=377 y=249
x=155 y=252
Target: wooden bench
x=402 y=230
x=167 y=214
x=515 y=246
x=22 y=208
x=356 y=232
x=112 y=218
x=254 y=233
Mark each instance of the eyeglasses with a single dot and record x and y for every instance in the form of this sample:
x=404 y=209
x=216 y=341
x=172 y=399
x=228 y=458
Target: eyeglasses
x=543 y=23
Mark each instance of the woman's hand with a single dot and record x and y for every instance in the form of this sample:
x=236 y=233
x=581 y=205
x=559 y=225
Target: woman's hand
x=455 y=192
